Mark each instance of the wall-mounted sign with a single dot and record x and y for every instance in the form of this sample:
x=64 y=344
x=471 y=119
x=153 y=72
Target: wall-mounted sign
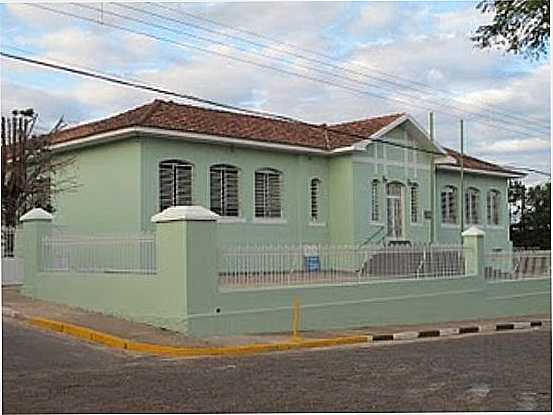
x=427 y=214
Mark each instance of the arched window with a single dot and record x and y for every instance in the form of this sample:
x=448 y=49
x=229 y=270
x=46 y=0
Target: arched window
x=268 y=193
x=414 y=203
x=449 y=205
x=224 y=190
x=375 y=205
x=493 y=207
x=175 y=183
x=472 y=206
x=315 y=189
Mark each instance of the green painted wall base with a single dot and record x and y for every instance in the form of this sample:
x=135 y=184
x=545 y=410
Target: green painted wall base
x=131 y=296
x=374 y=304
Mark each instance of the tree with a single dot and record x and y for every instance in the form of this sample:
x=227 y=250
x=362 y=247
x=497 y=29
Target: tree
x=31 y=173
x=519 y=27
x=531 y=215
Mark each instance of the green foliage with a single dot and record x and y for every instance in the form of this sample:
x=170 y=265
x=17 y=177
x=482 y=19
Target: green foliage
x=531 y=214
x=519 y=27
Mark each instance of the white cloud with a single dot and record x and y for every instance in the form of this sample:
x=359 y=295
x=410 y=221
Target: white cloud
x=412 y=42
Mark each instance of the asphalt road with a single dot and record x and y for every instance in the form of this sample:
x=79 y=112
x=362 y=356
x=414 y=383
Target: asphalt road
x=46 y=372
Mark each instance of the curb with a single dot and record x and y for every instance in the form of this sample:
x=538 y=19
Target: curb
x=452 y=331
x=295 y=344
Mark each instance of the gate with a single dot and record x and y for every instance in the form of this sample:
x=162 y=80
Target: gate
x=12 y=265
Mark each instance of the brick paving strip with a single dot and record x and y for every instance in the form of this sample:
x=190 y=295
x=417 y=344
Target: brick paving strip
x=123 y=334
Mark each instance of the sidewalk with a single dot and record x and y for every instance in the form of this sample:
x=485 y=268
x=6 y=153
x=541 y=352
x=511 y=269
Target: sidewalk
x=137 y=332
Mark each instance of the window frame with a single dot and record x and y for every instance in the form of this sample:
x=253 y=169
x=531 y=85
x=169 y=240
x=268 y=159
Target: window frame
x=469 y=210
x=269 y=219
x=493 y=203
x=414 y=187
x=315 y=219
x=174 y=163
x=453 y=191
x=225 y=168
x=375 y=214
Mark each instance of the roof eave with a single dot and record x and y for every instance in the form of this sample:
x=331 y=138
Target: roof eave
x=113 y=135
x=507 y=174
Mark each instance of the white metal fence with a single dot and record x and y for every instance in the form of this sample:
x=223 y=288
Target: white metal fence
x=12 y=266
x=260 y=266
x=65 y=252
x=518 y=264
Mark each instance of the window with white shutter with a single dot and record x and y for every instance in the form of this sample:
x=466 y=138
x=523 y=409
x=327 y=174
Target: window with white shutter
x=449 y=205
x=268 y=193
x=493 y=207
x=175 y=183
x=472 y=206
x=224 y=190
x=315 y=189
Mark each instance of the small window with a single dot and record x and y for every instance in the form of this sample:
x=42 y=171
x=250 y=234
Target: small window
x=224 y=190
x=449 y=205
x=175 y=183
x=268 y=197
x=472 y=206
x=414 y=203
x=375 y=206
x=493 y=207
x=315 y=189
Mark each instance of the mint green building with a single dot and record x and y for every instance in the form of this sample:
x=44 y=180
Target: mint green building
x=273 y=181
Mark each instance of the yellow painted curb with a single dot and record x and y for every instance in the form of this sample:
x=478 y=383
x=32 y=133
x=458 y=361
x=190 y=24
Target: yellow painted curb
x=172 y=351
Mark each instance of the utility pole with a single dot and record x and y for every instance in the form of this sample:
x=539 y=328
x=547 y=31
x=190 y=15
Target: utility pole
x=432 y=174
x=462 y=186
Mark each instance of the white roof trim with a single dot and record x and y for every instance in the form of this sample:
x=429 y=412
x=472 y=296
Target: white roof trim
x=124 y=132
x=362 y=145
x=479 y=171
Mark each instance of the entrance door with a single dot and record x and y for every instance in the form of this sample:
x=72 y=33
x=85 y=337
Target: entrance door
x=394 y=210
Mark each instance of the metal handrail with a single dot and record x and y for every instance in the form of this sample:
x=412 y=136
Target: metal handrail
x=370 y=238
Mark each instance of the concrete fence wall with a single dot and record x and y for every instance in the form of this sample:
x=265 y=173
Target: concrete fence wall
x=183 y=294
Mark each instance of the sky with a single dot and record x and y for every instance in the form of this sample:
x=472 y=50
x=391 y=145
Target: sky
x=322 y=62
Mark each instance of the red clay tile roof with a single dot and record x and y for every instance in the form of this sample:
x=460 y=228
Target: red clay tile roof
x=474 y=163
x=365 y=128
x=187 y=118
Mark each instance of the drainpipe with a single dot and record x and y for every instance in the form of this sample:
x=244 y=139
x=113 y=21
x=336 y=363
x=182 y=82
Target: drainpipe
x=462 y=187
x=432 y=174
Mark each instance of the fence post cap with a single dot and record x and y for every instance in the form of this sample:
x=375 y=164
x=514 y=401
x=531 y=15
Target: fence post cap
x=474 y=231
x=176 y=213
x=36 y=214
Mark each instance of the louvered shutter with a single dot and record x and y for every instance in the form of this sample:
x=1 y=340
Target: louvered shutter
x=268 y=198
x=315 y=199
x=183 y=184
x=165 y=185
x=224 y=190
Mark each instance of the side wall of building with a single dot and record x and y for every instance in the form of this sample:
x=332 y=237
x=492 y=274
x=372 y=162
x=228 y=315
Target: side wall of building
x=107 y=199
x=497 y=236
x=297 y=172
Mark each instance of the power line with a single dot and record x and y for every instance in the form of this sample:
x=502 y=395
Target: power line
x=265 y=66
x=408 y=83
x=149 y=88
x=316 y=69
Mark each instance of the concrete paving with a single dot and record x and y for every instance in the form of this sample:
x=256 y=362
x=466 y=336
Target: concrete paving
x=13 y=301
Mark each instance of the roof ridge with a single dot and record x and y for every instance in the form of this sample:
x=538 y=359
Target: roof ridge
x=154 y=105
x=277 y=118
x=394 y=114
